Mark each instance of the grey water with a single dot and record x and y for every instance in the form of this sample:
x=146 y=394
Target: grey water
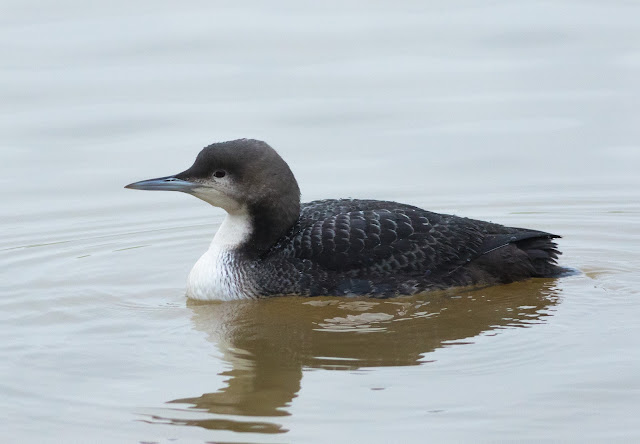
x=523 y=113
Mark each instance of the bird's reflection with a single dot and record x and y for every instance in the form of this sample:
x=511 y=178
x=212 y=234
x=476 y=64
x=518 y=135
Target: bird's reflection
x=269 y=342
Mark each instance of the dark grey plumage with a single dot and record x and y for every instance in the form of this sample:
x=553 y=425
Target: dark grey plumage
x=383 y=249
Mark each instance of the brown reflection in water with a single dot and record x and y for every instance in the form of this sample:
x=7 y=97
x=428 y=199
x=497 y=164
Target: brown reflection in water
x=270 y=342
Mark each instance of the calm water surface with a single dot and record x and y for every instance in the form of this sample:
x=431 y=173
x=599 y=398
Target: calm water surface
x=523 y=113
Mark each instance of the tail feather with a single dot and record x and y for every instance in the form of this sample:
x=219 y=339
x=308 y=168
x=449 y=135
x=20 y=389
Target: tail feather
x=514 y=257
x=543 y=253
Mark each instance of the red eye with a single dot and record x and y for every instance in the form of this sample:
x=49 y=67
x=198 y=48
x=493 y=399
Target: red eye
x=219 y=174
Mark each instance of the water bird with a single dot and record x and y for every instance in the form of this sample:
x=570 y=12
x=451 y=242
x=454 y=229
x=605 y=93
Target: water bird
x=270 y=244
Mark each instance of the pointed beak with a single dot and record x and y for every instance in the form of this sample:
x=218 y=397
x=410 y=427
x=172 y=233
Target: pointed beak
x=169 y=183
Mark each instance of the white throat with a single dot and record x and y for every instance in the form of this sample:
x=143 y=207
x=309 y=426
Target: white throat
x=219 y=274
x=234 y=230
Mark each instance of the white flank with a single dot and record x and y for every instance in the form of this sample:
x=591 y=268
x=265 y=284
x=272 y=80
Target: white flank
x=217 y=276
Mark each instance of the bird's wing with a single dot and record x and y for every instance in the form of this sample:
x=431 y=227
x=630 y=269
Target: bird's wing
x=383 y=240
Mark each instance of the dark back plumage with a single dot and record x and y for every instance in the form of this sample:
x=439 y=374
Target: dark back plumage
x=386 y=248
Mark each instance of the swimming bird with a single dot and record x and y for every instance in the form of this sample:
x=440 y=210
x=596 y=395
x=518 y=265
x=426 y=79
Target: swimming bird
x=270 y=244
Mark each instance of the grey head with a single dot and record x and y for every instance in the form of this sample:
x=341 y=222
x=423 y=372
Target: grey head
x=243 y=175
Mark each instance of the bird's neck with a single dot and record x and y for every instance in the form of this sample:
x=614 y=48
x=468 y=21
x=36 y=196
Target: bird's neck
x=253 y=229
x=235 y=230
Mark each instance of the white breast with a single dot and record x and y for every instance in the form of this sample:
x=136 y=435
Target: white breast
x=213 y=278
x=219 y=274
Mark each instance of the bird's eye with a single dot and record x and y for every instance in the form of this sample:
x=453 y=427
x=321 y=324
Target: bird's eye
x=219 y=174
